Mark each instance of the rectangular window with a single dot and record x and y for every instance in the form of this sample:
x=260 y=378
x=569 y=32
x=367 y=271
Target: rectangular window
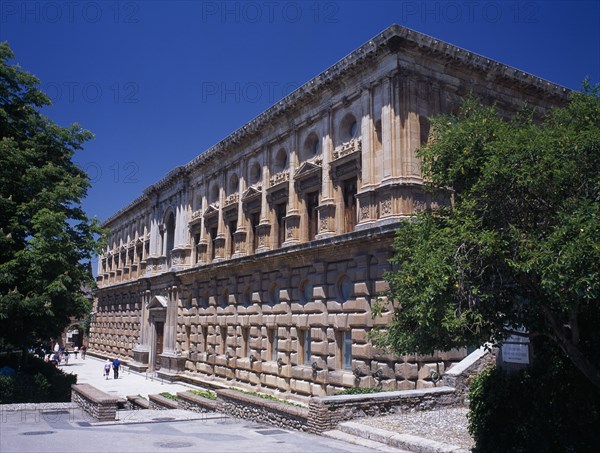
x=213 y=237
x=223 y=330
x=273 y=344
x=197 y=247
x=378 y=136
x=350 y=213
x=306 y=346
x=280 y=221
x=205 y=338
x=255 y=220
x=246 y=341
x=344 y=349
x=188 y=333
x=312 y=202
x=232 y=228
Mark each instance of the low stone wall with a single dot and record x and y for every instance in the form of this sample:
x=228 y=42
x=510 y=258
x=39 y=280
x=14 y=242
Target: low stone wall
x=98 y=404
x=461 y=374
x=135 y=402
x=249 y=407
x=160 y=402
x=196 y=403
x=326 y=412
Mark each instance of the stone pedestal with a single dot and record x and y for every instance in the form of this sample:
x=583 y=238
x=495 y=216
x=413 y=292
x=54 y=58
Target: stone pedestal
x=140 y=359
x=171 y=366
x=292 y=228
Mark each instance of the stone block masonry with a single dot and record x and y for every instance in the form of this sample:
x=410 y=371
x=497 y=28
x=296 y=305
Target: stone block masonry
x=98 y=404
x=195 y=403
x=250 y=407
x=325 y=413
x=257 y=263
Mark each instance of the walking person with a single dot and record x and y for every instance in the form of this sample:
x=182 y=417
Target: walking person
x=116 y=364
x=107 y=368
x=66 y=356
x=83 y=351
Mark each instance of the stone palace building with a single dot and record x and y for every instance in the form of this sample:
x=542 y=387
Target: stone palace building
x=257 y=263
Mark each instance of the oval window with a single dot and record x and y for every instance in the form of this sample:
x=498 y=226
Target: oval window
x=345 y=288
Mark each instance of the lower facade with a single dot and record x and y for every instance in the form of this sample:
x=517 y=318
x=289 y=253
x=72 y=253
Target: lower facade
x=295 y=320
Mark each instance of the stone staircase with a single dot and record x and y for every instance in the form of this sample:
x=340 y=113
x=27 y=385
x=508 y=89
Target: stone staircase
x=383 y=440
x=364 y=441
x=455 y=380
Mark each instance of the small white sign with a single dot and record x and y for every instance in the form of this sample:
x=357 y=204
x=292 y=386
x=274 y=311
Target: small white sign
x=516 y=352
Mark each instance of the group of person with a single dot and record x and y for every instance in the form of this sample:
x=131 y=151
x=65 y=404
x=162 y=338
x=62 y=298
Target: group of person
x=61 y=354
x=115 y=364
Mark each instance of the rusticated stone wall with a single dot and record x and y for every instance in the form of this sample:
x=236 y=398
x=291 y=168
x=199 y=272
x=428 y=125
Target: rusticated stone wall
x=258 y=262
x=116 y=328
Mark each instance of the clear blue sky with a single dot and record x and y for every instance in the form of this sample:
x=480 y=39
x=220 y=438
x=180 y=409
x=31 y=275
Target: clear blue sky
x=159 y=82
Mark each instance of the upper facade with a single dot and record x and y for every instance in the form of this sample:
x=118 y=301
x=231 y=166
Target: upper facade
x=335 y=157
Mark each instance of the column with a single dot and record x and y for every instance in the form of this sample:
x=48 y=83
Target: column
x=327 y=205
x=264 y=229
x=141 y=351
x=292 y=219
x=219 y=241
x=386 y=129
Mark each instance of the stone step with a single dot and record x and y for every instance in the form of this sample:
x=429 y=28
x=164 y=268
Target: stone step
x=350 y=438
x=401 y=441
x=126 y=417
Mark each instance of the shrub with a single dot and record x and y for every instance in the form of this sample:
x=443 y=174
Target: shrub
x=265 y=397
x=545 y=408
x=169 y=396
x=35 y=382
x=208 y=394
x=357 y=391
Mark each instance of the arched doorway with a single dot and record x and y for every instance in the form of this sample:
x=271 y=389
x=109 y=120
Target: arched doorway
x=73 y=335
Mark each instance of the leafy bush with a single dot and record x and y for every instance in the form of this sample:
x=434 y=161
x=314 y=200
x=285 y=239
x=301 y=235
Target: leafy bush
x=208 y=394
x=545 y=408
x=36 y=381
x=265 y=397
x=169 y=396
x=357 y=391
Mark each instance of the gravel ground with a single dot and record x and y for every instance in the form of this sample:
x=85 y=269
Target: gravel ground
x=444 y=425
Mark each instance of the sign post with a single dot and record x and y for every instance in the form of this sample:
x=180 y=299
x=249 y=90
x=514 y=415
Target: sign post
x=515 y=351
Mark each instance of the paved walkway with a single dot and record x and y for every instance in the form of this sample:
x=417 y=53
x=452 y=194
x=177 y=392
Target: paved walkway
x=392 y=430
x=90 y=371
x=59 y=427
x=65 y=427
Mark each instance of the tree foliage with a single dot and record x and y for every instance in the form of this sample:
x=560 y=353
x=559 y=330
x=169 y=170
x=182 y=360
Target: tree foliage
x=46 y=239
x=521 y=244
x=547 y=407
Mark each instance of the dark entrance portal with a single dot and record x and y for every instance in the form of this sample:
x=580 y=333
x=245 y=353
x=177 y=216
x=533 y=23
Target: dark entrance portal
x=159 y=326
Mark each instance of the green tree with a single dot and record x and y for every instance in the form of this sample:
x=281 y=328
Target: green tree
x=46 y=239
x=520 y=245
